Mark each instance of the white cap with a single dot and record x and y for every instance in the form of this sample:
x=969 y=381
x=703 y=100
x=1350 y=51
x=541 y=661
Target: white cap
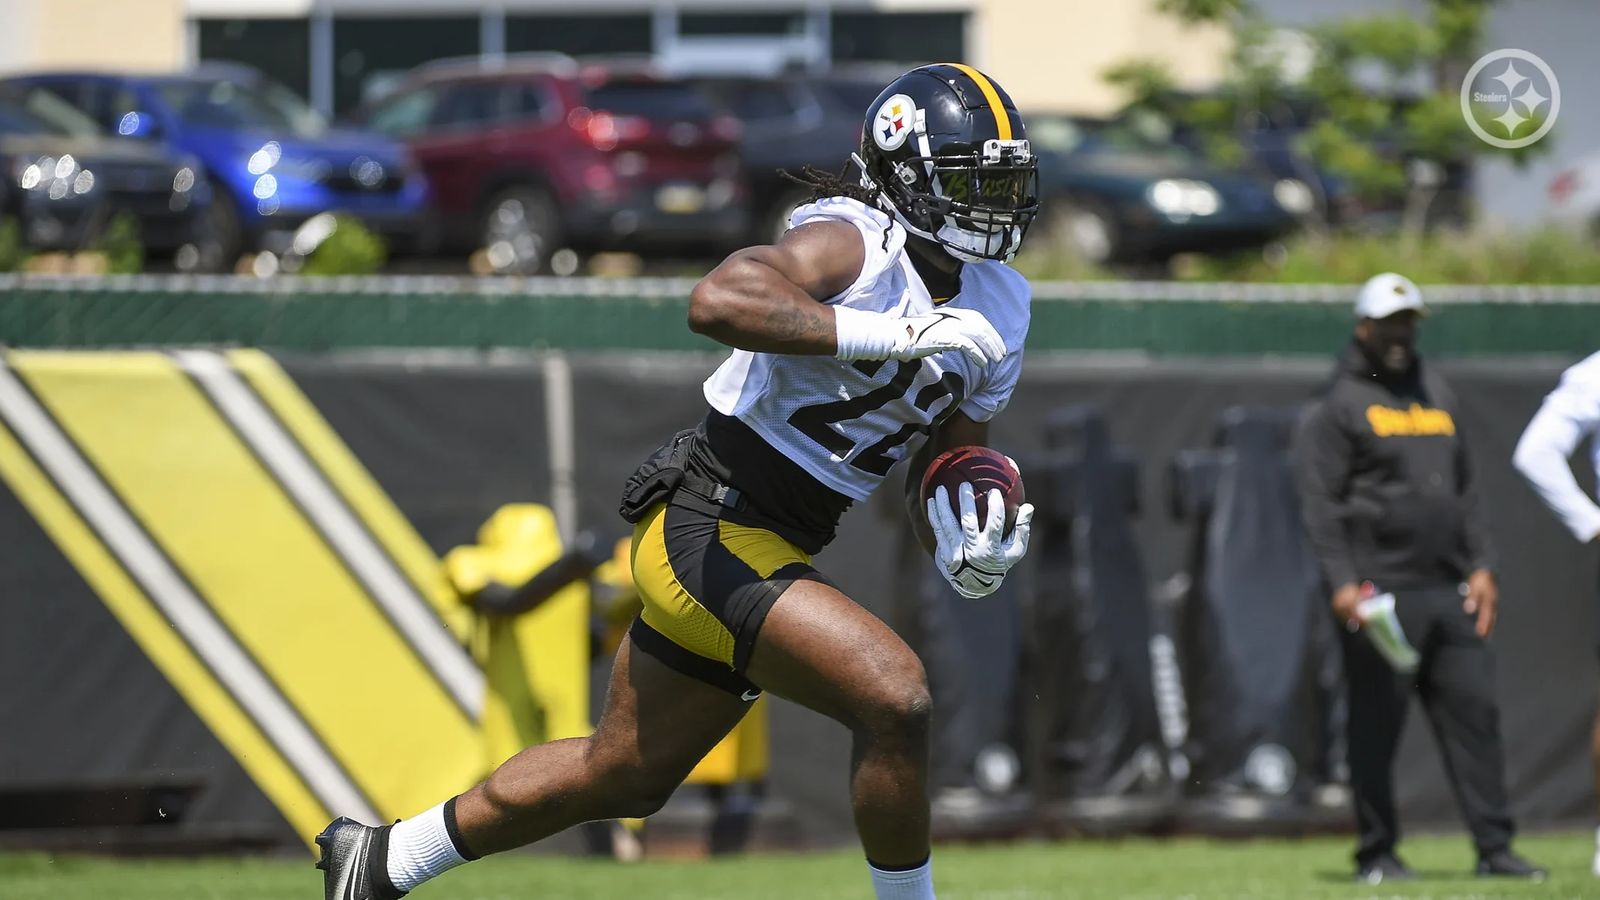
x=1384 y=295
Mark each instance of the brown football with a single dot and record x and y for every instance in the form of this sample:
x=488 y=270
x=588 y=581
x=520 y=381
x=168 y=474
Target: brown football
x=987 y=470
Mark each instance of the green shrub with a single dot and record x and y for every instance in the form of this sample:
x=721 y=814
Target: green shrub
x=1545 y=256
x=352 y=249
x=121 y=246
x=13 y=255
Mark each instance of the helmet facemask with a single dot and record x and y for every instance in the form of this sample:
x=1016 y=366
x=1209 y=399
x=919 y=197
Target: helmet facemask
x=981 y=203
x=977 y=204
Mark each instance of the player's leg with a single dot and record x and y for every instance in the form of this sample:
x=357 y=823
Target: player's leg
x=820 y=649
x=657 y=724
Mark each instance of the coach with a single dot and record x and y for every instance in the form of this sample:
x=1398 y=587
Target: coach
x=1391 y=507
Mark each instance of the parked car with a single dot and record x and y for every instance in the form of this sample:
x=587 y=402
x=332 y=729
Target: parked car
x=271 y=160
x=537 y=153
x=65 y=179
x=791 y=122
x=1272 y=138
x=1114 y=193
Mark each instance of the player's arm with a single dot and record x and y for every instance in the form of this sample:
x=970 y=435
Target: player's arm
x=959 y=430
x=1569 y=413
x=766 y=299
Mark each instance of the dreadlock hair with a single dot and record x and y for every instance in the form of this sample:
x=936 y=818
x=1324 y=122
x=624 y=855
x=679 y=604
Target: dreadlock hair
x=826 y=184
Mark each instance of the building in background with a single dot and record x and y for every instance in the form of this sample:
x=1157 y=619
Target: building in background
x=337 y=53
x=1050 y=54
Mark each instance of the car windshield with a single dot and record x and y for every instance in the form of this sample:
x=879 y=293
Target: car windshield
x=650 y=100
x=1130 y=134
x=231 y=104
x=38 y=111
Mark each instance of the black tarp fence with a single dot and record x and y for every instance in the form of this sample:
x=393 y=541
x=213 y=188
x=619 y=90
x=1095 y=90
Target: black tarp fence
x=452 y=437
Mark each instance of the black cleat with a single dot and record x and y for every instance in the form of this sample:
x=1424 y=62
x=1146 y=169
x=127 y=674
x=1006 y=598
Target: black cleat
x=354 y=862
x=1505 y=864
x=1380 y=869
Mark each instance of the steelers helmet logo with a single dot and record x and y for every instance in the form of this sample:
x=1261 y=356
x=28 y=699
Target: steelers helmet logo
x=892 y=125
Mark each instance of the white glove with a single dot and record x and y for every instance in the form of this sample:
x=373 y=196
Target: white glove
x=868 y=335
x=975 y=560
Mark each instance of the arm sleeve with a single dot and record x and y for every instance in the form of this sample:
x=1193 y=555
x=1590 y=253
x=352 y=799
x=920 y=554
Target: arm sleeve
x=1571 y=411
x=1475 y=513
x=1322 y=476
x=995 y=392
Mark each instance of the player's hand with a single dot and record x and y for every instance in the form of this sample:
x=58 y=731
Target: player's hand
x=1483 y=599
x=965 y=330
x=975 y=557
x=1346 y=603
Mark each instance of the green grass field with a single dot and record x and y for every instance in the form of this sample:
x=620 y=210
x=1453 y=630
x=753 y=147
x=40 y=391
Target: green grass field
x=1185 y=868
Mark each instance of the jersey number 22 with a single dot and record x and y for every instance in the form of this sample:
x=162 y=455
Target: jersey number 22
x=818 y=420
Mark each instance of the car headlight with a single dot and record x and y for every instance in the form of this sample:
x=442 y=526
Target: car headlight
x=1183 y=197
x=1293 y=195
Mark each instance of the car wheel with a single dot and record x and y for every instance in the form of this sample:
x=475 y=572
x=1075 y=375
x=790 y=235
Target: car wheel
x=521 y=230
x=1084 y=229
x=219 y=236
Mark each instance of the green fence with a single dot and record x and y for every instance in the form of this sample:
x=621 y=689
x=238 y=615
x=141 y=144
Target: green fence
x=587 y=314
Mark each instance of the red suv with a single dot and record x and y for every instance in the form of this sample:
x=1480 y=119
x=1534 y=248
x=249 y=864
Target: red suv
x=534 y=154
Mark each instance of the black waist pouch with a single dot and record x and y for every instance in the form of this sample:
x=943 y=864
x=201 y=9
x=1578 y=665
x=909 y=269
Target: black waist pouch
x=657 y=478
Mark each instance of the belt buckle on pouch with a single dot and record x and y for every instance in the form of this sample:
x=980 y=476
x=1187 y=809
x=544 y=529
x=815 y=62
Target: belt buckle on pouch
x=1382 y=628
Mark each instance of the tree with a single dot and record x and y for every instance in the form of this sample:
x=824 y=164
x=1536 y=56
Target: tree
x=1383 y=90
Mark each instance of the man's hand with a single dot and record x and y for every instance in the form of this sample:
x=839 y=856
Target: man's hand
x=870 y=335
x=1483 y=598
x=1346 y=604
x=950 y=329
x=976 y=559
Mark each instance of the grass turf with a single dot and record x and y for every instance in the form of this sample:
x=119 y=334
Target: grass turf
x=1183 y=868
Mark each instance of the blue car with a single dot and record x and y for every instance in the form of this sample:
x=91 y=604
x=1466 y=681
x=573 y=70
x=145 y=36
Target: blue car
x=271 y=160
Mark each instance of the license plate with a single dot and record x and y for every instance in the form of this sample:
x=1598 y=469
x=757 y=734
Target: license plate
x=680 y=198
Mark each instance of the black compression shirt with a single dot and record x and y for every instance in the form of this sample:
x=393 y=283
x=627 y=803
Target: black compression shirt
x=779 y=492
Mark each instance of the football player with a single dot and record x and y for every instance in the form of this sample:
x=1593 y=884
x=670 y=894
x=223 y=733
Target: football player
x=885 y=324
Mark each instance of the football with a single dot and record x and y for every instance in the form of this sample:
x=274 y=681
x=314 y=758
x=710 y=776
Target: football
x=987 y=470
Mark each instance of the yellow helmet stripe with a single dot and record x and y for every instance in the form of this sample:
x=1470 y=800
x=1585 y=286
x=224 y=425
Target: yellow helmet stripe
x=1002 y=121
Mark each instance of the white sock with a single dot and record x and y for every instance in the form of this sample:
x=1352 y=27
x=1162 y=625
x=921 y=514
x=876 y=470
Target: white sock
x=909 y=884
x=420 y=848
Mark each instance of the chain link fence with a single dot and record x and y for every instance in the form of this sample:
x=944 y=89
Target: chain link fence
x=649 y=314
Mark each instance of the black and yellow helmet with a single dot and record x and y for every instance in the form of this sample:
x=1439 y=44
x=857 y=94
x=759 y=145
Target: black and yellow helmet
x=946 y=146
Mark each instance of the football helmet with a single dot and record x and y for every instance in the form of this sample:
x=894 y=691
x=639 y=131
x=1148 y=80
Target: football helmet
x=946 y=146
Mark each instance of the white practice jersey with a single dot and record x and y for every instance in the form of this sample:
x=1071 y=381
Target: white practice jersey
x=847 y=423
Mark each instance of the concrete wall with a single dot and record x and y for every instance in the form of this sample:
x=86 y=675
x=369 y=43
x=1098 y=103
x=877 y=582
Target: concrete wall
x=1051 y=55
x=122 y=34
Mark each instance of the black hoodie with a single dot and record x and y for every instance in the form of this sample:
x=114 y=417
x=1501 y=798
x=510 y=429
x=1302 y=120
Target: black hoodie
x=1387 y=491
